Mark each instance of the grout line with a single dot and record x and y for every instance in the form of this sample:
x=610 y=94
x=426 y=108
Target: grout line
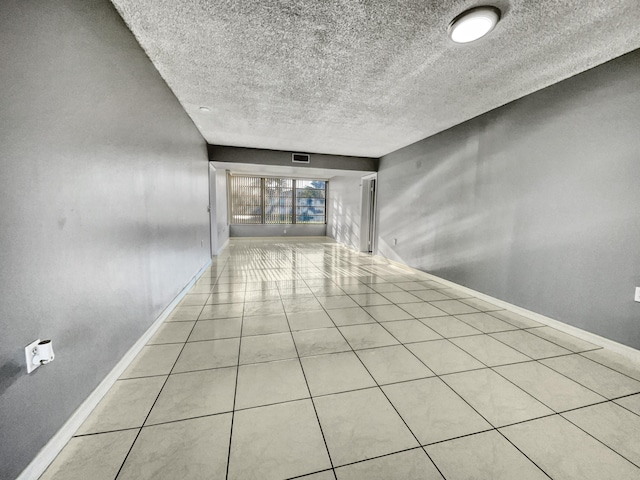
x=324 y=439
x=152 y=406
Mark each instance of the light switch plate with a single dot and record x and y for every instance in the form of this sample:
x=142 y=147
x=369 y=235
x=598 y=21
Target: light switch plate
x=637 y=297
x=28 y=353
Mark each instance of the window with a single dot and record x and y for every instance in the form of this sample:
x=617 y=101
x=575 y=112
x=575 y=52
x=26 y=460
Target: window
x=246 y=195
x=310 y=201
x=270 y=200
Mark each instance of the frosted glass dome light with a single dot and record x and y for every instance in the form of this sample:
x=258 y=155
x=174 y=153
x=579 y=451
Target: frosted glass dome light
x=473 y=24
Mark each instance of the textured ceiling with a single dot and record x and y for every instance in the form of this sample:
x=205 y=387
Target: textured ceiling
x=363 y=77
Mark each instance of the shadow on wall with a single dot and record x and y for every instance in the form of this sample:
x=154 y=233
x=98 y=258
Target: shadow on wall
x=345 y=226
x=427 y=225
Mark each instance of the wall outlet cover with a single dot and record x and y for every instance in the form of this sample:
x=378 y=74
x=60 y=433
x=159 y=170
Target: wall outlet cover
x=637 y=296
x=29 y=354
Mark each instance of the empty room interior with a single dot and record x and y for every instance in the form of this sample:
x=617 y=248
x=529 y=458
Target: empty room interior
x=354 y=239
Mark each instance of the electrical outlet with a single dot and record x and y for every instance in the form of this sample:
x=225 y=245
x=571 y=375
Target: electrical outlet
x=30 y=351
x=395 y=241
x=285 y=231
x=637 y=297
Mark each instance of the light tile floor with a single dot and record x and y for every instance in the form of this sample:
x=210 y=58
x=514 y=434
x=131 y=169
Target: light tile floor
x=299 y=358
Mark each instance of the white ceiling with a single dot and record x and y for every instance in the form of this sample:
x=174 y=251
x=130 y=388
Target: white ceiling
x=363 y=77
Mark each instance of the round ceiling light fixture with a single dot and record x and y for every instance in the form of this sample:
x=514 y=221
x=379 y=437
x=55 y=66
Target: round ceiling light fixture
x=473 y=24
x=205 y=109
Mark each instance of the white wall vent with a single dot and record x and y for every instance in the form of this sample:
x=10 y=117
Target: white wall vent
x=300 y=158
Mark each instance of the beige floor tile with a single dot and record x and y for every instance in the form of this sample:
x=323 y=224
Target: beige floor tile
x=153 y=360
x=450 y=327
x=631 y=403
x=385 y=287
x=301 y=304
x=276 y=442
x=356 y=288
x=320 y=341
x=429 y=295
x=454 y=293
x=266 y=307
x=433 y=411
x=616 y=361
x=531 y=345
x=489 y=351
x=373 y=429
x=481 y=305
x=226 y=297
x=181 y=314
x=194 y=299
x=266 y=348
x=195 y=394
x=563 y=339
x=226 y=310
x=334 y=373
x=393 y=364
x=262 y=295
x=453 y=307
x=265 y=324
x=408 y=331
x=496 y=399
x=337 y=301
x=272 y=382
x=613 y=425
x=350 y=316
x=554 y=390
x=208 y=354
x=485 y=322
x=369 y=299
x=422 y=310
x=172 y=332
x=309 y=320
x=97 y=457
x=411 y=465
x=126 y=405
x=387 y=313
x=367 y=336
x=326 y=475
x=195 y=448
x=443 y=357
x=515 y=319
x=401 y=297
x=216 y=329
x=564 y=451
x=484 y=455
x=601 y=379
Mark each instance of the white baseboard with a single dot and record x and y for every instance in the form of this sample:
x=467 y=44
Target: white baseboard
x=51 y=450
x=221 y=249
x=629 y=352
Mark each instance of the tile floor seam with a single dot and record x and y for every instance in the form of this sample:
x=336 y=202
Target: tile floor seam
x=124 y=461
x=235 y=394
x=324 y=439
x=388 y=400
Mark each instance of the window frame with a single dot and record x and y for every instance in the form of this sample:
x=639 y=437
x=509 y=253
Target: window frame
x=294 y=207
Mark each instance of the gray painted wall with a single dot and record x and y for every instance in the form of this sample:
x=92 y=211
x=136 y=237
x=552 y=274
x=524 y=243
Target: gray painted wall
x=343 y=212
x=279 y=158
x=535 y=203
x=103 y=188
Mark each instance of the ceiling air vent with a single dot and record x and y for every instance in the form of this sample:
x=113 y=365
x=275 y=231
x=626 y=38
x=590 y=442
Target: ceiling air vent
x=300 y=157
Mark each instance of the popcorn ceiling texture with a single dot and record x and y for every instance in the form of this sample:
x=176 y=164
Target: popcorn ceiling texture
x=363 y=77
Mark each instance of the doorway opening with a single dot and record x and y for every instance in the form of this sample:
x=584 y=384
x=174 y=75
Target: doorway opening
x=368 y=214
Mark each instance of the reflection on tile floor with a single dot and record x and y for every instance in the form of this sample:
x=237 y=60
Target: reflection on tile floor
x=297 y=358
